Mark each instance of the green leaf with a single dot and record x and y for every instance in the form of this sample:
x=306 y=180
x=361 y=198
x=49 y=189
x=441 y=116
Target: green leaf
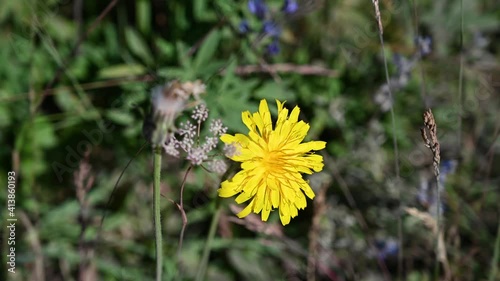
x=166 y=48
x=143 y=14
x=201 y=11
x=138 y=46
x=207 y=50
x=121 y=70
x=68 y=101
x=120 y=117
x=271 y=91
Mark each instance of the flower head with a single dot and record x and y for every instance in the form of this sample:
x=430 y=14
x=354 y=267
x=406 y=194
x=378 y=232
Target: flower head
x=424 y=45
x=243 y=27
x=273 y=48
x=258 y=8
x=168 y=102
x=272 y=162
x=271 y=28
x=290 y=6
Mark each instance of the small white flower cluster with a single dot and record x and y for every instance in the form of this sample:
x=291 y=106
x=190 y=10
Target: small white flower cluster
x=187 y=139
x=200 y=113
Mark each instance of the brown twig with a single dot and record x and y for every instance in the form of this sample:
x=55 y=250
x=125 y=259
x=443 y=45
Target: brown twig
x=286 y=68
x=180 y=206
x=38 y=274
x=83 y=181
x=433 y=225
x=85 y=86
x=314 y=232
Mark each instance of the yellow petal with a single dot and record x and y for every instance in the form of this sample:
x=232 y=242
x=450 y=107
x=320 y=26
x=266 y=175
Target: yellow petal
x=245 y=212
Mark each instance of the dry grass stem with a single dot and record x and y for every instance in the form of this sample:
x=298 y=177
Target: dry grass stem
x=377 y=16
x=429 y=135
x=431 y=223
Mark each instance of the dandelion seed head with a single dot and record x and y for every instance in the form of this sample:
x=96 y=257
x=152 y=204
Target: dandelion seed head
x=195 y=88
x=169 y=99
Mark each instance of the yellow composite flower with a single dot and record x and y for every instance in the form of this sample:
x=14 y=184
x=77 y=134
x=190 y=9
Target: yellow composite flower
x=272 y=163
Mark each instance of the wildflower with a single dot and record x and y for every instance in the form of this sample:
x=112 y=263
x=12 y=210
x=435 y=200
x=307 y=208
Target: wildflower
x=217 y=166
x=271 y=28
x=272 y=163
x=187 y=138
x=290 y=6
x=424 y=45
x=258 y=8
x=217 y=128
x=274 y=47
x=168 y=102
x=200 y=113
x=386 y=248
x=243 y=27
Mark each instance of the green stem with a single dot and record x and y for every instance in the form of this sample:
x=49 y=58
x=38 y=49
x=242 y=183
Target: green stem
x=157 y=209
x=208 y=243
x=496 y=256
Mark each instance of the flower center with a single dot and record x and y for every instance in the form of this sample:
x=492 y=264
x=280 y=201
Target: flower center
x=273 y=160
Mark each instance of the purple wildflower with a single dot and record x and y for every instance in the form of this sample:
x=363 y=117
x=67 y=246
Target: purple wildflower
x=258 y=8
x=271 y=28
x=290 y=7
x=243 y=27
x=424 y=45
x=273 y=48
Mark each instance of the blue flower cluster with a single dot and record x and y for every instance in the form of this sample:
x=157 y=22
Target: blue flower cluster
x=424 y=45
x=386 y=248
x=269 y=26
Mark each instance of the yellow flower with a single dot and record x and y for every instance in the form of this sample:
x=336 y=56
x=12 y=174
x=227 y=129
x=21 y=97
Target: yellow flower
x=272 y=163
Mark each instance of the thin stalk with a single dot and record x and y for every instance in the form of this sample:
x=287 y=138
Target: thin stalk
x=461 y=76
x=438 y=230
x=157 y=209
x=208 y=243
x=496 y=256
x=396 y=161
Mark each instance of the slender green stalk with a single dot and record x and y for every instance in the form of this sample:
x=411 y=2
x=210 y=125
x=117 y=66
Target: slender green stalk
x=438 y=230
x=496 y=256
x=157 y=209
x=396 y=160
x=200 y=275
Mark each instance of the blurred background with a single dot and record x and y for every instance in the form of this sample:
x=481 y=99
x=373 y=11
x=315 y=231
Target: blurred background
x=75 y=81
